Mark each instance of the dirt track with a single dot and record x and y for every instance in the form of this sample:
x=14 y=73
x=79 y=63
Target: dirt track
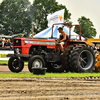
x=5 y=69
x=48 y=88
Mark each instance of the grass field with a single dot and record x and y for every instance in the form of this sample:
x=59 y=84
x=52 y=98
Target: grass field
x=3 y=62
x=46 y=75
x=64 y=75
x=6 y=62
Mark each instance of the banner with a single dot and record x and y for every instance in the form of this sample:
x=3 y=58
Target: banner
x=4 y=53
x=57 y=17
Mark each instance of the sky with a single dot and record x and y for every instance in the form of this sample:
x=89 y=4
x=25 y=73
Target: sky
x=88 y=8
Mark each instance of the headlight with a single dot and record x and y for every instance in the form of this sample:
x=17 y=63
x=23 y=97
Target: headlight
x=17 y=50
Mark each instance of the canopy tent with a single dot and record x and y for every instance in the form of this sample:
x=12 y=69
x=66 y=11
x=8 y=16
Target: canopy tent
x=47 y=33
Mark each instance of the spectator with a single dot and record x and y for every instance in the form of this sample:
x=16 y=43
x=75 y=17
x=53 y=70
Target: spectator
x=86 y=39
x=0 y=42
x=8 y=43
x=93 y=45
x=3 y=42
x=11 y=43
x=97 y=46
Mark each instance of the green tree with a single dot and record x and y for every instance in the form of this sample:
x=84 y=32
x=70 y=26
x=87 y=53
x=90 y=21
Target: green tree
x=14 y=17
x=40 y=10
x=87 y=27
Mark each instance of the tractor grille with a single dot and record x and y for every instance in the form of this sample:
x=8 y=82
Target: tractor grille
x=17 y=42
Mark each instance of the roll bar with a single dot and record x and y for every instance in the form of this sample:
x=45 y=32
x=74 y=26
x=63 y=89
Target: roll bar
x=67 y=24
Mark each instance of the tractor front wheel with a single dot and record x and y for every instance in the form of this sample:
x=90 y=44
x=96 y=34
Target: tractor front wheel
x=15 y=64
x=36 y=62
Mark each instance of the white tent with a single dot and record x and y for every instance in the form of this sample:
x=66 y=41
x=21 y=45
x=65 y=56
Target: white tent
x=56 y=17
x=47 y=33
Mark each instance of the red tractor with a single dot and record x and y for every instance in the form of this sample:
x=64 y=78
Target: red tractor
x=78 y=56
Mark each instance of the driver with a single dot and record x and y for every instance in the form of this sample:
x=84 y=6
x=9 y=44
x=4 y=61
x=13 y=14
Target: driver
x=62 y=39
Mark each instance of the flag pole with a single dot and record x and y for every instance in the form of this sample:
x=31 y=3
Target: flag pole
x=32 y=32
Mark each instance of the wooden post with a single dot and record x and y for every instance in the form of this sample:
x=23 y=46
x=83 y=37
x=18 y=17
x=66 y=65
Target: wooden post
x=32 y=32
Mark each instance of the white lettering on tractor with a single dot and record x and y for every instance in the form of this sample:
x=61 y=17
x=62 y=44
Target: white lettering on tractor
x=39 y=42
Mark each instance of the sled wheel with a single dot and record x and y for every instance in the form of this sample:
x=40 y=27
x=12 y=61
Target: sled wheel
x=15 y=64
x=36 y=62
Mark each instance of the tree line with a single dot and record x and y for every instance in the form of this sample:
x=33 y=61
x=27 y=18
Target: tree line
x=18 y=16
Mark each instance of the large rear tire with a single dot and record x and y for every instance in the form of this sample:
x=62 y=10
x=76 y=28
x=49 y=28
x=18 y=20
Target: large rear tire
x=82 y=58
x=65 y=61
x=36 y=62
x=15 y=64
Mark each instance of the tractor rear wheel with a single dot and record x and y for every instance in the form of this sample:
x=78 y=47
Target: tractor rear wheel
x=82 y=58
x=65 y=61
x=15 y=64
x=36 y=62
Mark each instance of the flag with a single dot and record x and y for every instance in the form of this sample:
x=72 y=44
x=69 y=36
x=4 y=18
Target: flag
x=56 y=17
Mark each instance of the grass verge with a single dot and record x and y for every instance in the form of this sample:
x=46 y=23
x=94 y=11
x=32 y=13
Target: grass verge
x=6 y=75
x=49 y=75
x=5 y=62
